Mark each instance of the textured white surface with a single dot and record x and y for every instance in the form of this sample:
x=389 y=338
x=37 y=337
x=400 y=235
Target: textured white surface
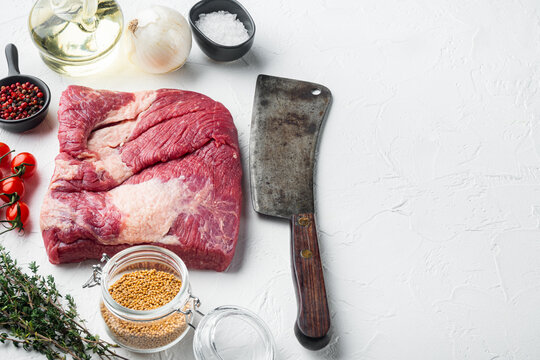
x=428 y=188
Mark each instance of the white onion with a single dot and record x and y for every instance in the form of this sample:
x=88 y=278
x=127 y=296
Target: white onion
x=159 y=40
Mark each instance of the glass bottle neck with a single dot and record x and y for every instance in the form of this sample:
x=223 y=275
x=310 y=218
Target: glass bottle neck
x=78 y=11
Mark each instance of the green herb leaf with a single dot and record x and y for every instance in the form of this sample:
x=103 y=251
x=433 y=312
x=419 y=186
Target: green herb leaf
x=35 y=316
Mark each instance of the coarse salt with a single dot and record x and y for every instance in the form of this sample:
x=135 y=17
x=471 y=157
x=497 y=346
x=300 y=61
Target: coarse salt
x=223 y=28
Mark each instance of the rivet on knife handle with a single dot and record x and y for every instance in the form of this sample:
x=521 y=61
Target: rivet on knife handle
x=313 y=321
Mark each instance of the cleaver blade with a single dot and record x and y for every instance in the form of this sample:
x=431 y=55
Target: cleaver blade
x=285 y=127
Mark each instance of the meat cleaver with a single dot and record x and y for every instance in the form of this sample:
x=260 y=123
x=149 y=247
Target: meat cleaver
x=286 y=122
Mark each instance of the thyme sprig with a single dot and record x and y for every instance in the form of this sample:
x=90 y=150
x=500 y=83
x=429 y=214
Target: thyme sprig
x=35 y=316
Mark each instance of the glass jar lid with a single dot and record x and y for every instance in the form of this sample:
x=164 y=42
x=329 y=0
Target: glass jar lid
x=230 y=332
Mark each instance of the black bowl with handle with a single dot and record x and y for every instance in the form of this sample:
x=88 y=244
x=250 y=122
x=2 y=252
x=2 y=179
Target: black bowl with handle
x=15 y=76
x=212 y=49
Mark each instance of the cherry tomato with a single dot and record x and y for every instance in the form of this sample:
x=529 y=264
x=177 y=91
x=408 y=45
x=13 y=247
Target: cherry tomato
x=4 y=149
x=18 y=213
x=11 y=186
x=25 y=164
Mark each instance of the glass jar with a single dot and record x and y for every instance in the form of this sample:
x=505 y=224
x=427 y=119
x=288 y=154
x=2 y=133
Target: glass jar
x=227 y=332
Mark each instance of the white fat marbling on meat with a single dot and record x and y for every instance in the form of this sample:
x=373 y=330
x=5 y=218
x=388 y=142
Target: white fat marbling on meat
x=111 y=162
x=63 y=170
x=168 y=240
x=143 y=100
x=47 y=218
x=111 y=137
x=149 y=209
x=53 y=212
x=104 y=142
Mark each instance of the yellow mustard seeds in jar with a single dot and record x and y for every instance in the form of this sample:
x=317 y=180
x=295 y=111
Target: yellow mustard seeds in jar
x=145 y=290
x=144 y=335
x=152 y=277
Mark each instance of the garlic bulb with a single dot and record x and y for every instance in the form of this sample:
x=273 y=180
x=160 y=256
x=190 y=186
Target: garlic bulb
x=159 y=40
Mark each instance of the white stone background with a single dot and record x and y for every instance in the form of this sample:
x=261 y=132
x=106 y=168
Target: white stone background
x=427 y=183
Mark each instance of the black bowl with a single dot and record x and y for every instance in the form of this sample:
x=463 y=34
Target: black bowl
x=212 y=49
x=13 y=77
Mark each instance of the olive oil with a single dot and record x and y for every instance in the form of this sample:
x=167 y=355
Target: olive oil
x=74 y=37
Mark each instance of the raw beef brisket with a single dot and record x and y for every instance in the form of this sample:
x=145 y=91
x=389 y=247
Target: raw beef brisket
x=156 y=167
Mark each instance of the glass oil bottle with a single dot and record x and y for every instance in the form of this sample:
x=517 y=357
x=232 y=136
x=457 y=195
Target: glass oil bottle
x=75 y=37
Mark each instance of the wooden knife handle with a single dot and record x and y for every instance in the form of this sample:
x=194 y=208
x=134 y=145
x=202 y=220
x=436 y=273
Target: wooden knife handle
x=313 y=321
